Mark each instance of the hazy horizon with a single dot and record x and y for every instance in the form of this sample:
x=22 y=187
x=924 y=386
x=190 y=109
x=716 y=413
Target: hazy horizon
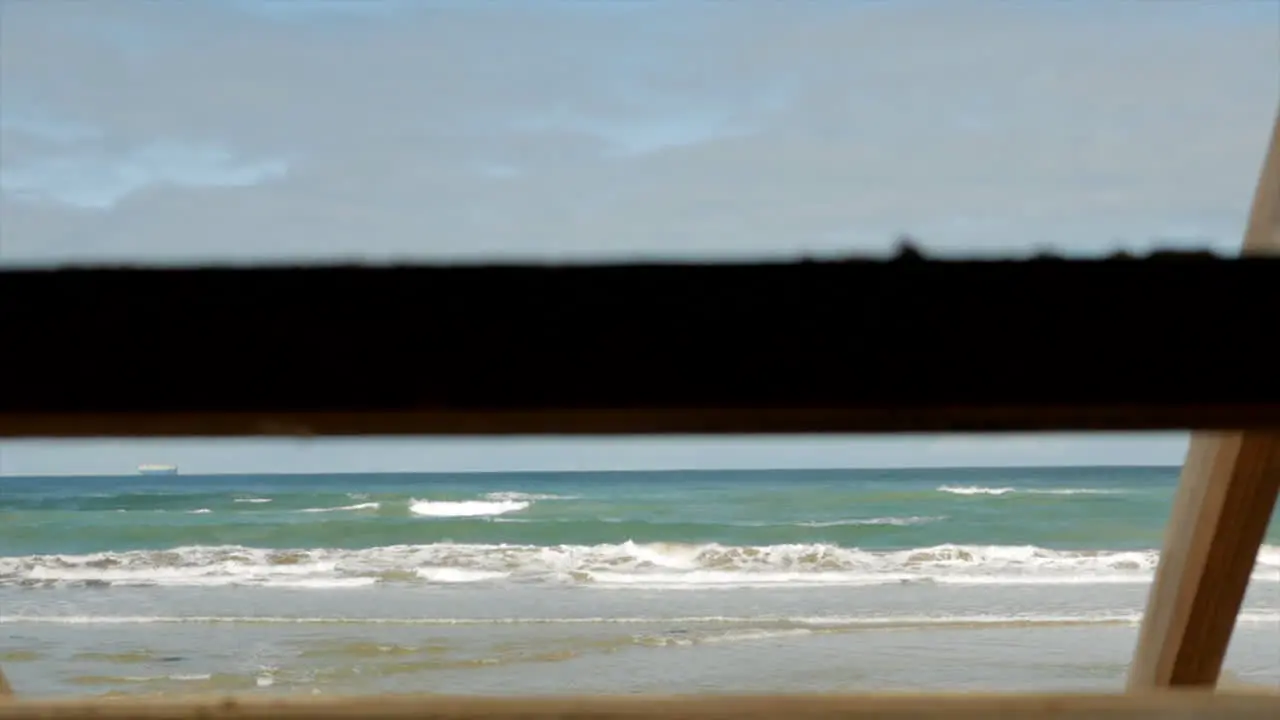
x=588 y=454
x=763 y=470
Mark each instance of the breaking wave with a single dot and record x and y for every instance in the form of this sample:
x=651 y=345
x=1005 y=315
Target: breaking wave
x=466 y=508
x=624 y=565
x=776 y=623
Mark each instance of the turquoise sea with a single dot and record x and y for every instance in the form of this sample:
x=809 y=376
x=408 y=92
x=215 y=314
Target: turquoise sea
x=727 y=581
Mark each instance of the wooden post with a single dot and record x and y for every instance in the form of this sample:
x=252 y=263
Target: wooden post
x=1220 y=516
x=6 y=691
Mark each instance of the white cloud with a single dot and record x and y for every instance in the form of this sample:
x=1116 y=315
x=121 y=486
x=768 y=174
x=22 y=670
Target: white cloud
x=628 y=129
x=99 y=180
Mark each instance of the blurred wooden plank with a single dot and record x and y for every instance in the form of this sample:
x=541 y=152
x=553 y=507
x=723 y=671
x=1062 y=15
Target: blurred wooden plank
x=857 y=346
x=1156 y=706
x=1220 y=515
x=1262 y=236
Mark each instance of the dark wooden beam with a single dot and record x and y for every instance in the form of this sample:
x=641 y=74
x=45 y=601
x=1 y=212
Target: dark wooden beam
x=907 y=344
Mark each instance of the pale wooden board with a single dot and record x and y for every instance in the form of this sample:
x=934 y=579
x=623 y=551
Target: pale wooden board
x=1167 y=705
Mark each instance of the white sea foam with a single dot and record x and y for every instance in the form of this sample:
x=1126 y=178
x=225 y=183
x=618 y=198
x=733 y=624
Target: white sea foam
x=458 y=575
x=252 y=500
x=1269 y=557
x=1071 y=491
x=761 y=624
x=975 y=490
x=357 y=506
x=201 y=511
x=625 y=565
x=178 y=677
x=683 y=638
x=895 y=521
x=494 y=504
x=465 y=508
x=981 y=490
x=508 y=496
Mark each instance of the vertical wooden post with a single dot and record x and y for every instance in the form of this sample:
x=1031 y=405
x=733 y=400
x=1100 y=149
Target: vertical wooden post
x=1220 y=515
x=1262 y=236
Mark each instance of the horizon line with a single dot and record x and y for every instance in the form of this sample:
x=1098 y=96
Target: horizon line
x=581 y=471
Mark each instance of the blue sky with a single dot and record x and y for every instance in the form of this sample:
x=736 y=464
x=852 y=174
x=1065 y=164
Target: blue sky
x=259 y=130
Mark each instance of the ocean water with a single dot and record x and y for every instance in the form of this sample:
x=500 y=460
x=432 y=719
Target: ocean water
x=765 y=581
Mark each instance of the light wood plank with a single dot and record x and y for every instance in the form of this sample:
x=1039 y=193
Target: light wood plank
x=1168 y=705
x=1220 y=516
x=1262 y=236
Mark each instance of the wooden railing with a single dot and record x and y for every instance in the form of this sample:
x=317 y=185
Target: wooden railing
x=1164 y=342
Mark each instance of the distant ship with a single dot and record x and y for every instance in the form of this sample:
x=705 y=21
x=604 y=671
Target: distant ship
x=158 y=469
